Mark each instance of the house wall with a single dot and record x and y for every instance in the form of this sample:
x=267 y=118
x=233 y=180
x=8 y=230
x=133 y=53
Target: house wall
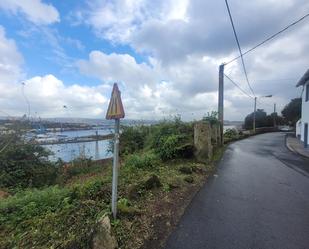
x=304 y=113
x=298 y=129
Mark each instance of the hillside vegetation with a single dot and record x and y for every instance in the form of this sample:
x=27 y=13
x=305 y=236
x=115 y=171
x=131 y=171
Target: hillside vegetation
x=57 y=205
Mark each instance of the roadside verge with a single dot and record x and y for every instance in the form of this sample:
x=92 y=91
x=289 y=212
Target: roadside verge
x=296 y=146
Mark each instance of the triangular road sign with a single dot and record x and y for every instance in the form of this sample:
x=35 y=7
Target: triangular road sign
x=115 y=107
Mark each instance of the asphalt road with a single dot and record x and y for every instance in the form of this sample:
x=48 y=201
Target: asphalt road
x=258 y=199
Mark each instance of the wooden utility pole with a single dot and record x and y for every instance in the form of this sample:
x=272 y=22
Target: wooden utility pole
x=275 y=115
x=254 y=113
x=220 y=100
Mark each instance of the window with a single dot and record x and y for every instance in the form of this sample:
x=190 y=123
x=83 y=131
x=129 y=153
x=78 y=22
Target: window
x=307 y=92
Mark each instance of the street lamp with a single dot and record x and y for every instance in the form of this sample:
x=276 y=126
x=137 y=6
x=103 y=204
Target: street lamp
x=254 y=113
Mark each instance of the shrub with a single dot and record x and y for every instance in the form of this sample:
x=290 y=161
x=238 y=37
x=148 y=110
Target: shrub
x=51 y=218
x=142 y=161
x=26 y=165
x=168 y=147
x=231 y=134
x=174 y=146
x=212 y=118
x=161 y=131
x=132 y=139
x=171 y=139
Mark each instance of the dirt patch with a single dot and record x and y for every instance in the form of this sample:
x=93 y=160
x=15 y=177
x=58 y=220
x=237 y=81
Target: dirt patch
x=161 y=210
x=168 y=212
x=4 y=194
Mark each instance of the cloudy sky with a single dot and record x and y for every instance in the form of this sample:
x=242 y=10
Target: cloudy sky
x=164 y=54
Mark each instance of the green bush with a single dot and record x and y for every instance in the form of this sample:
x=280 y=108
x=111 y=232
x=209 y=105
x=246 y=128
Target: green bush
x=230 y=135
x=212 y=118
x=52 y=218
x=26 y=165
x=132 y=139
x=167 y=128
x=171 y=139
x=142 y=161
x=174 y=146
x=168 y=147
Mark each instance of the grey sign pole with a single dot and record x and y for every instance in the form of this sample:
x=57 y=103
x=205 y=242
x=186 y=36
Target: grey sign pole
x=115 y=169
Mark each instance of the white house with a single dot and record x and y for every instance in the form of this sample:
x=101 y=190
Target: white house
x=302 y=125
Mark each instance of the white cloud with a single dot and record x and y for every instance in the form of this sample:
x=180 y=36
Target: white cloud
x=47 y=96
x=117 y=67
x=150 y=89
x=34 y=10
x=119 y=20
x=10 y=59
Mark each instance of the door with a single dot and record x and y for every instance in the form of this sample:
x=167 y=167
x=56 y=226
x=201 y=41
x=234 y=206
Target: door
x=306 y=135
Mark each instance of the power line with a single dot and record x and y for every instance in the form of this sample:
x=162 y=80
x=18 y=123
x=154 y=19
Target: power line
x=243 y=91
x=270 y=38
x=287 y=79
x=239 y=48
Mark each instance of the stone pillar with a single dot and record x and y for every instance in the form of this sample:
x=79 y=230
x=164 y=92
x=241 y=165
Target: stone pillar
x=214 y=136
x=202 y=141
x=219 y=135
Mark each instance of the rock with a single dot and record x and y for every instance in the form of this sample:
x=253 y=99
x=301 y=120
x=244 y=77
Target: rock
x=134 y=192
x=186 y=170
x=175 y=182
x=189 y=179
x=152 y=182
x=198 y=169
x=103 y=238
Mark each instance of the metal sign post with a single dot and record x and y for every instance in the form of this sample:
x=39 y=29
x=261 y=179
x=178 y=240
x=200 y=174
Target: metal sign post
x=115 y=169
x=115 y=111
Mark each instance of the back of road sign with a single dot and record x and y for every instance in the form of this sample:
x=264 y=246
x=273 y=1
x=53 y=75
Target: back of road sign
x=115 y=107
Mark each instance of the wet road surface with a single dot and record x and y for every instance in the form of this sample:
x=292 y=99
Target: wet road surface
x=258 y=199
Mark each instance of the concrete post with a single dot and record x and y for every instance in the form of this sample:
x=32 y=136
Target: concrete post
x=202 y=141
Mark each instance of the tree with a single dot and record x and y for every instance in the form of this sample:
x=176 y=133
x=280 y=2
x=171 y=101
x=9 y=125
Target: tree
x=212 y=118
x=23 y=164
x=292 y=111
x=261 y=120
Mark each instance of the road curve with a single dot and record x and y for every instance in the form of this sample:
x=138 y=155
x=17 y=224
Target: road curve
x=258 y=199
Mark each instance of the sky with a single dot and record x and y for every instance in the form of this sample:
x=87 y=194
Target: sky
x=163 y=54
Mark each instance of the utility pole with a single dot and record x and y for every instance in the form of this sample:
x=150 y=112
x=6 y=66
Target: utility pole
x=220 y=100
x=275 y=115
x=254 y=114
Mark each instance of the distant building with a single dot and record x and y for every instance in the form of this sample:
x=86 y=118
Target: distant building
x=302 y=129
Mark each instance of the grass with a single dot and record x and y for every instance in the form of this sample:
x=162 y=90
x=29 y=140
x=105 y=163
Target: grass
x=53 y=217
